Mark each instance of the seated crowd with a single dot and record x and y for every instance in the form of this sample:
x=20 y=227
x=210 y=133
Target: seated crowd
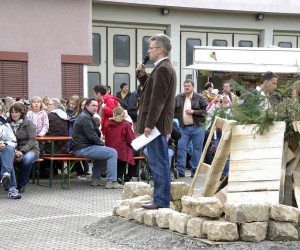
x=102 y=129
x=85 y=120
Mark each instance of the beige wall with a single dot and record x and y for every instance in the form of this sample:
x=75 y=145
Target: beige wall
x=46 y=29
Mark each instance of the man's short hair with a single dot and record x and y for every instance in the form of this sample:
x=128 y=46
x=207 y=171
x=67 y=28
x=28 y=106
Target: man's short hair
x=187 y=80
x=100 y=89
x=89 y=101
x=267 y=76
x=123 y=85
x=162 y=41
x=226 y=82
x=208 y=85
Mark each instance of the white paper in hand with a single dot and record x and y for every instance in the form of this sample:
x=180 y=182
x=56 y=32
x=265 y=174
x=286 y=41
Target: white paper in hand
x=142 y=140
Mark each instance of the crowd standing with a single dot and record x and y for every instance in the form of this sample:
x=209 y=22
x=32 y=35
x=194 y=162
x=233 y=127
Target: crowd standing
x=102 y=128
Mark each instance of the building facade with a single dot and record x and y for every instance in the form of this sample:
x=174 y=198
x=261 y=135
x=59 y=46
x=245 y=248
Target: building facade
x=43 y=47
x=60 y=48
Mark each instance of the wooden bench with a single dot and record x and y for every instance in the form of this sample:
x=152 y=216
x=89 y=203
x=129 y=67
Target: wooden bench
x=71 y=160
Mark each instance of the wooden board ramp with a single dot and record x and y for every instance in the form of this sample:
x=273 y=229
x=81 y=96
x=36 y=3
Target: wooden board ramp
x=257 y=164
x=214 y=171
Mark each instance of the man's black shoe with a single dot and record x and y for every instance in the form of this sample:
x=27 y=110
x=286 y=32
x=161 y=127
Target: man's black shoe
x=181 y=175
x=150 y=206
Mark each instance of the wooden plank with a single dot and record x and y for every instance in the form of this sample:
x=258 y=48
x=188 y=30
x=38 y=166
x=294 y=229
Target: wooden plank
x=252 y=154
x=210 y=135
x=238 y=186
x=214 y=175
x=256 y=137
x=255 y=197
x=256 y=175
x=250 y=129
x=215 y=170
x=290 y=155
x=282 y=177
x=222 y=195
x=296 y=177
x=261 y=143
x=270 y=164
x=297 y=169
x=204 y=168
x=293 y=164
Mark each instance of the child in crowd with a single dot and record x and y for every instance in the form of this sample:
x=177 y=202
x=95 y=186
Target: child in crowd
x=119 y=135
x=73 y=107
x=38 y=116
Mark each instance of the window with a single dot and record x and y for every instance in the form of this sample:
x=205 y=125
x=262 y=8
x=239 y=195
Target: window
x=190 y=43
x=94 y=78
x=285 y=45
x=118 y=79
x=145 y=46
x=121 y=56
x=72 y=80
x=217 y=42
x=14 y=78
x=243 y=43
x=189 y=77
x=96 y=49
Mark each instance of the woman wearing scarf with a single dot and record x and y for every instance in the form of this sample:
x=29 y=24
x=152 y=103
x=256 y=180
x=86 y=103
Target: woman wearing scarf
x=27 y=150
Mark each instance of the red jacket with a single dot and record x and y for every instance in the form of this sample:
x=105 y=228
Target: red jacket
x=119 y=136
x=108 y=110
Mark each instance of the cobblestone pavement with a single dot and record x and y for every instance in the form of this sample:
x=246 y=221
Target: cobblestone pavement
x=53 y=218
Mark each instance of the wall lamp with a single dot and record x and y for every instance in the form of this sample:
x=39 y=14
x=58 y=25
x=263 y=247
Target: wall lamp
x=165 y=11
x=259 y=17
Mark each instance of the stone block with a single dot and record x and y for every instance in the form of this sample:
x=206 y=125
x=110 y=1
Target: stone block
x=178 y=190
x=202 y=206
x=178 y=222
x=176 y=205
x=163 y=216
x=126 y=206
x=150 y=218
x=281 y=231
x=246 y=212
x=220 y=230
x=138 y=214
x=254 y=231
x=135 y=189
x=195 y=227
x=284 y=213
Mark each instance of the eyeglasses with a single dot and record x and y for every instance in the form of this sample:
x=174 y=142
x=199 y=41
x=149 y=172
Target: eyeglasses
x=153 y=48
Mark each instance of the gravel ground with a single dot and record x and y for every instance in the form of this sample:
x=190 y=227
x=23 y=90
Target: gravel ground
x=131 y=235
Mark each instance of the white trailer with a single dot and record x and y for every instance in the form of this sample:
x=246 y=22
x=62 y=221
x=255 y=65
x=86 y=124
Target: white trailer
x=245 y=60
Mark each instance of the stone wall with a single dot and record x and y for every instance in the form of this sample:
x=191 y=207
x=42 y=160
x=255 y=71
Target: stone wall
x=207 y=218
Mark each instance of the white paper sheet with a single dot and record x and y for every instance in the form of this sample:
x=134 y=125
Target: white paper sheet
x=142 y=140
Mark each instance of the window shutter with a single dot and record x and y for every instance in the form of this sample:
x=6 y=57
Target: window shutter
x=72 y=80
x=13 y=78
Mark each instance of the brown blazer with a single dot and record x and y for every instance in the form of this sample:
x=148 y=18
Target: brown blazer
x=157 y=100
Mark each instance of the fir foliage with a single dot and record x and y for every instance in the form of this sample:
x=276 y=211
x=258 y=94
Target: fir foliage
x=283 y=108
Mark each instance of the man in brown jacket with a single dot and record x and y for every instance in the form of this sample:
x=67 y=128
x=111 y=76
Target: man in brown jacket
x=157 y=110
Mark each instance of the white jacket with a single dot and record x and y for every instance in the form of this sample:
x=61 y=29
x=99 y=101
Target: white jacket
x=7 y=135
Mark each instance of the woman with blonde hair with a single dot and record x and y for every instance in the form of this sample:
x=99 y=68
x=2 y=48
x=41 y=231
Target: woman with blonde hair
x=73 y=107
x=38 y=116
